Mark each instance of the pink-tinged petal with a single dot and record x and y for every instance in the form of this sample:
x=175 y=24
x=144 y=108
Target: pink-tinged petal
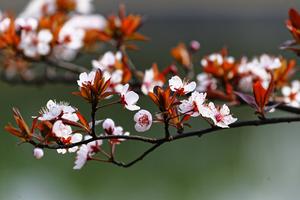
x=224 y=110
x=108 y=124
x=175 y=83
x=221 y=124
x=229 y=119
x=82 y=157
x=131 y=98
x=77 y=137
x=125 y=89
x=286 y=91
x=190 y=87
x=132 y=107
x=38 y=153
x=206 y=111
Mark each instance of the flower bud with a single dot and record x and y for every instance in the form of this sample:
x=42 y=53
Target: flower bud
x=194 y=45
x=38 y=153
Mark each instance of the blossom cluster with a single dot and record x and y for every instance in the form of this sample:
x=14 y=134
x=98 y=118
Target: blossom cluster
x=59 y=30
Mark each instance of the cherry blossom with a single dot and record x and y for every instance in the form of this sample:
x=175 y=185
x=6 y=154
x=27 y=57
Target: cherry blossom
x=193 y=105
x=86 y=22
x=37 y=8
x=116 y=80
x=26 y=24
x=4 y=24
x=220 y=116
x=61 y=130
x=129 y=98
x=70 y=42
x=107 y=61
x=143 y=120
x=53 y=110
x=84 y=6
x=291 y=94
x=195 y=45
x=74 y=138
x=81 y=157
x=110 y=129
x=205 y=82
x=257 y=68
x=149 y=82
x=86 y=152
x=71 y=38
x=181 y=87
x=64 y=133
x=38 y=153
x=36 y=44
x=86 y=78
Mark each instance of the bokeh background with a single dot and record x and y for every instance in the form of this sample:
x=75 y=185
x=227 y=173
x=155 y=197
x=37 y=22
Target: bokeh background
x=260 y=163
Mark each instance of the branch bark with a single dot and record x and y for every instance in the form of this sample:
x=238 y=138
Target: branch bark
x=157 y=142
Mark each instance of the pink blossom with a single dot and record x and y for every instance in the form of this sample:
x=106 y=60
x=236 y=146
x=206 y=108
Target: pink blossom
x=220 y=116
x=181 y=87
x=143 y=120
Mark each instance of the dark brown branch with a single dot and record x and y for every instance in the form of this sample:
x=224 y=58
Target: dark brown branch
x=139 y=158
x=206 y=131
x=289 y=109
x=158 y=142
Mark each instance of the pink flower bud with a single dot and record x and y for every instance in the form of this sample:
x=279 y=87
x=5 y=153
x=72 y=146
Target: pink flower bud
x=195 y=45
x=38 y=153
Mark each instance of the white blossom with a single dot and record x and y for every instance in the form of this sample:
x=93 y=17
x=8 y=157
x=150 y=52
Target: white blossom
x=220 y=116
x=71 y=38
x=86 y=22
x=71 y=139
x=291 y=95
x=53 y=110
x=86 y=151
x=38 y=153
x=217 y=58
x=82 y=157
x=193 y=105
x=129 y=98
x=205 y=82
x=84 y=6
x=182 y=87
x=110 y=129
x=26 y=24
x=36 y=44
x=149 y=82
x=61 y=130
x=86 y=78
x=36 y=8
x=107 y=61
x=4 y=24
x=143 y=120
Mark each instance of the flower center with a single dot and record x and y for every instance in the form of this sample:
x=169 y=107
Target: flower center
x=180 y=91
x=219 y=117
x=195 y=107
x=144 y=120
x=292 y=96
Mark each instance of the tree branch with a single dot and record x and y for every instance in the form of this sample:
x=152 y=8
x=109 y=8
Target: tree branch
x=160 y=141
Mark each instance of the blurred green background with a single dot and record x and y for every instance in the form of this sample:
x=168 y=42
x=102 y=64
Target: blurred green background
x=260 y=163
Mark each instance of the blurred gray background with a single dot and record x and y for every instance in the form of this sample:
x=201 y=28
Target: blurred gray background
x=250 y=163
